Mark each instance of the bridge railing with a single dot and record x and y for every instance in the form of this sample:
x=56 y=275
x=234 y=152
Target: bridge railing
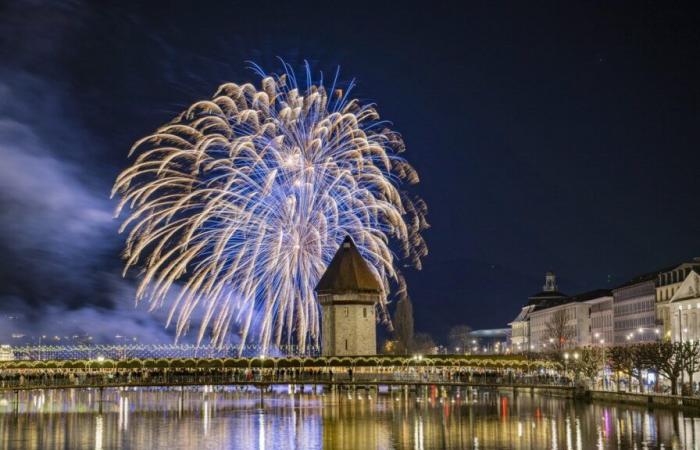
x=143 y=351
x=41 y=380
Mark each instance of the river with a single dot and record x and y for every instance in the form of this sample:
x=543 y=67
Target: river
x=231 y=419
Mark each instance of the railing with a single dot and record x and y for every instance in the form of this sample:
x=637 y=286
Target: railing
x=120 y=352
x=95 y=379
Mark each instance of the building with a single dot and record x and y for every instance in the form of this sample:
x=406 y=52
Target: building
x=348 y=292
x=6 y=353
x=602 y=319
x=520 y=326
x=634 y=309
x=667 y=283
x=490 y=341
x=685 y=309
x=641 y=306
x=564 y=324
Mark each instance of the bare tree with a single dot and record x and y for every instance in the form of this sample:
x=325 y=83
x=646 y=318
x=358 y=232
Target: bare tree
x=624 y=359
x=690 y=355
x=423 y=343
x=403 y=326
x=558 y=331
x=459 y=337
x=667 y=358
x=590 y=362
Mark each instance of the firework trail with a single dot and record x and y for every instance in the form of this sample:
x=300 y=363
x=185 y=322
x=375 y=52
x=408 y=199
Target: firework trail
x=241 y=201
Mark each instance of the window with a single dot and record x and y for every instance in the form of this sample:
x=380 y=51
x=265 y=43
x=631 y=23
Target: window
x=364 y=312
x=346 y=342
x=347 y=311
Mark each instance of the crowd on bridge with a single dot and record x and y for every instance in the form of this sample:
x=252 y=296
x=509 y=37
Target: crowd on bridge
x=101 y=377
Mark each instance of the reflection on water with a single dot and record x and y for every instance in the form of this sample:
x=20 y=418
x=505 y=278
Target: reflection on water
x=432 y=419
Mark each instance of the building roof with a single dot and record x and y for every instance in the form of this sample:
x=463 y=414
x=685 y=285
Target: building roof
x=492 y=332
x=591 y=295
x=550 y=303
x=545 y=297
x=523 y=315
x=694 y=263
x=564 y=300
x=348 y=272
x=644 y=278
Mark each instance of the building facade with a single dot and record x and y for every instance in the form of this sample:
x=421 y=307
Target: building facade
x=559 y=327
x=667 y=284
x=685 y=309
x=634 y=309
x=348 y=292
x=521 y=331
x=602 y=320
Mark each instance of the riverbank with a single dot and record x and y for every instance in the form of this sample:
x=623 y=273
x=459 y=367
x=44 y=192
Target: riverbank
x=649 y=399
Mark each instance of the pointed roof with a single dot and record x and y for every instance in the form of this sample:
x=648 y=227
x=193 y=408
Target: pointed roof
x=348 y=271
x=689 y=289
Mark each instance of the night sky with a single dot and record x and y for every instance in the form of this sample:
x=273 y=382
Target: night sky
x=562 y=137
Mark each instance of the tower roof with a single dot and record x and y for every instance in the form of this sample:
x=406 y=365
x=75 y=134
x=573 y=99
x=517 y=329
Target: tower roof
x=348 y=272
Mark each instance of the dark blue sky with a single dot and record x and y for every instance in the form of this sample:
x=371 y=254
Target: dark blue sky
x=555 y=137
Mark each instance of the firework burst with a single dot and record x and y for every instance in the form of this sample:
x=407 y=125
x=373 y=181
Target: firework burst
x=242 y=200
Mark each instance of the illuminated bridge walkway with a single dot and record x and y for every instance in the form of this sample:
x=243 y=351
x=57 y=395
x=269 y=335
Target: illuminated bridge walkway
x=347 y=372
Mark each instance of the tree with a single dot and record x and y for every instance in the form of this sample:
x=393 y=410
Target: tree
x=403 y=326
x=624 y=359
x=458 y=337
x=666 y=358
x=423 y=343
x=558 y=331
x=690 y=356
x=590 y=362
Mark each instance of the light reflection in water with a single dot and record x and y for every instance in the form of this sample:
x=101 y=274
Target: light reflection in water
x=292 y=419
x=98 y=432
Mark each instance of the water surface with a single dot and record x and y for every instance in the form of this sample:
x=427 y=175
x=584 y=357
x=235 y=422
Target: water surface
x=231 y=419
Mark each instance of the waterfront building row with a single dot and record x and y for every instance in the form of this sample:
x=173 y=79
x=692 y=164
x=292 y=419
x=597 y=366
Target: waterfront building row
x=664 y=304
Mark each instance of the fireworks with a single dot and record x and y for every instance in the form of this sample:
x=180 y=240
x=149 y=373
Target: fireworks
x=238 y=205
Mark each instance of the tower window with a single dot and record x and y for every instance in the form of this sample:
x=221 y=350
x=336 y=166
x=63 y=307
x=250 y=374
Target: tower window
x=347 y=311
x=346 y=344
x=364 y=312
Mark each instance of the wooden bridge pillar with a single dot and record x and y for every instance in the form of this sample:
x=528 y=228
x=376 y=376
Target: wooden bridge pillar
x=262 y=396
x=16 y=402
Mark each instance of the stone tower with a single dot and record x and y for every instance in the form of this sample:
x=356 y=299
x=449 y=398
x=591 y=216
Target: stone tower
x=348 y=292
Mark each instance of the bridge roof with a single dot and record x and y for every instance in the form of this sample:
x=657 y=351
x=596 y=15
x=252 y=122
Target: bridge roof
x=348 y=272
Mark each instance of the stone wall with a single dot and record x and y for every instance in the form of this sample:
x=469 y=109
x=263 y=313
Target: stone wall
x=348 y=324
